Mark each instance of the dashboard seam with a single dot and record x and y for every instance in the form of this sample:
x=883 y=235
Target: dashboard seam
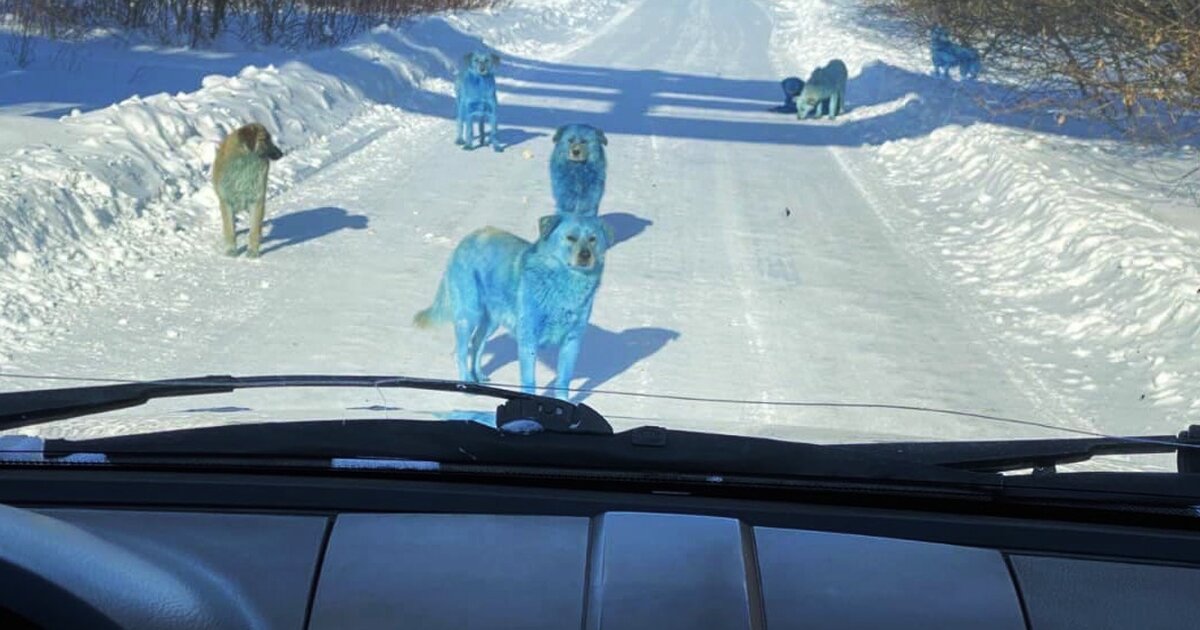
x=1012 y=574
x=318 y=568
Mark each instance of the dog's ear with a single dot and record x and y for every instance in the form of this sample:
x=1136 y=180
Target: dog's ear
x=547 y=224
x=603 y=138
x=558 y=134
x=248 y=136
x=495 y=59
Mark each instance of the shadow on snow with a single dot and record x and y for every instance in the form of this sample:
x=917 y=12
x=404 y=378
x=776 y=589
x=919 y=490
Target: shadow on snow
x=605 y=354
x=306 y=225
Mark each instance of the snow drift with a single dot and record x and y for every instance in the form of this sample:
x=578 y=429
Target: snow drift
x=1066 y=246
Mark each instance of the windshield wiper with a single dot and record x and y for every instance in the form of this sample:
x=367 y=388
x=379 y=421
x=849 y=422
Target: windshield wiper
x=465 y=444
x=1042 y=456
x=25 y=408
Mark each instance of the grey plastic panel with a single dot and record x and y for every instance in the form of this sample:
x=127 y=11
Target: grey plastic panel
x=642 y=570
x=667 y=571
x=238 y=571
x=1070 y=593
x=824 y=580
x=453 y=572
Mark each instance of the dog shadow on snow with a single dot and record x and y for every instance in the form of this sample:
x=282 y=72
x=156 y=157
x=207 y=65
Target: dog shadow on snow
x=605 y=354
x=307 y=225
x=625 y=226
x=511 y=137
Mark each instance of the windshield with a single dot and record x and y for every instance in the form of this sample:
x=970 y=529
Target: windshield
x=817 y=220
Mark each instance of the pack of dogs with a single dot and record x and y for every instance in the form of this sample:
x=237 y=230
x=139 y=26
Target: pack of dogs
x=824 y=93
x=540 y=291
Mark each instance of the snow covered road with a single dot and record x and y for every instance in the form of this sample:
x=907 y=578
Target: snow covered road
x=750 y=262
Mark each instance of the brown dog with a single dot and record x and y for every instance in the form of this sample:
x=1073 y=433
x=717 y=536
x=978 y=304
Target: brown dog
x=240 y=179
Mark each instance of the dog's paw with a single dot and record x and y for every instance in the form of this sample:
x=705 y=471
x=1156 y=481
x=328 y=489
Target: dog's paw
x=459 y=141
x=497 y=148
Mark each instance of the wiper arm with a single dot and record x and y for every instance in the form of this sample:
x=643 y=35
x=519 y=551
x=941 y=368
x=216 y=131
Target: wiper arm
x=25 y=408
x=1039 y=455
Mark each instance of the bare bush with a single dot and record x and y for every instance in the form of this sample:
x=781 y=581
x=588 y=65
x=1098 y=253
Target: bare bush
x=1132 y=63
x=30 y=19
x=197 y=22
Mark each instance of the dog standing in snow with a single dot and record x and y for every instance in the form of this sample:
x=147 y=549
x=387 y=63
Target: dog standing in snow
x=825 y=87
x=542 y=292
x=240 y=179
x=475 y=93
x=946 y=54
x=578 y=168
x=792 y=86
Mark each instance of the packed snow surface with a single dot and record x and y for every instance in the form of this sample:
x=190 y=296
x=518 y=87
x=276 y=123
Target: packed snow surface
x=917 y=251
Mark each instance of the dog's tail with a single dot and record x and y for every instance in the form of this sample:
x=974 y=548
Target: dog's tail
x=438 y=312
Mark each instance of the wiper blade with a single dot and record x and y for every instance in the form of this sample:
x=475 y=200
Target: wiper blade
x=1038 y=455
x=634 y=452
x=25 y=408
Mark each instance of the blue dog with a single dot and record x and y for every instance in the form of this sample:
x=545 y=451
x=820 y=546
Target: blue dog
x=825 y=87
x=792 y=86
x=578 y=169
x=542 y=292
x=475 y=92
x=946 y=54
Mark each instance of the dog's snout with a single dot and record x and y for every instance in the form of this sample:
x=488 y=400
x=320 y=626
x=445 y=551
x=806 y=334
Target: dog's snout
x=585 y=258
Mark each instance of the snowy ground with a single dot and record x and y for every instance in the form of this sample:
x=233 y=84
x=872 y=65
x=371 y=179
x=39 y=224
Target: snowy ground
x=1073 y=253
x=912 y=252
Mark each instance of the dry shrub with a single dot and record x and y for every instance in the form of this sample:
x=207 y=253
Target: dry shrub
x=195 y=22
x=1132 y=63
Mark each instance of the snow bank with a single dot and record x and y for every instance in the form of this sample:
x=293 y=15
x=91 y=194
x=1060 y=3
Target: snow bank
x=1068 y=248
x=124 y=189
x=1057 y=241
x=808 y=33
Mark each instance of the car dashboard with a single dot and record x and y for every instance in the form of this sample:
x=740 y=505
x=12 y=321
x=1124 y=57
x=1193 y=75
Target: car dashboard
x=155 y=568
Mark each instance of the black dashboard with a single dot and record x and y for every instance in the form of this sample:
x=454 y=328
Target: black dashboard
x=439 y=558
